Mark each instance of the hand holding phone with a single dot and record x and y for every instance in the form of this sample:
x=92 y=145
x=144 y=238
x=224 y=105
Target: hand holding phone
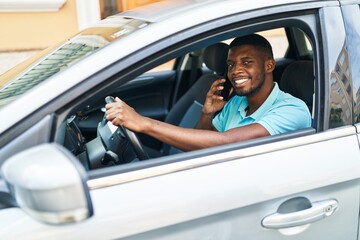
x=225 y=93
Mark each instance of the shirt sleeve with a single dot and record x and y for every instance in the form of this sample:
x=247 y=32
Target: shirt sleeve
x=220 y=120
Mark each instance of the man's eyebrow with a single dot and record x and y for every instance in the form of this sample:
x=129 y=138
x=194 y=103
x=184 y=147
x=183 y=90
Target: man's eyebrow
x=246 y=58
x=241 y=59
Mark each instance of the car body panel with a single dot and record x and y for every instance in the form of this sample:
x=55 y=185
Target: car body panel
x=223 y=192
x=117 y=214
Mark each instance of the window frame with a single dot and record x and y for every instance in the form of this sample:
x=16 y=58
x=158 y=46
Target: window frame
x=306 y=22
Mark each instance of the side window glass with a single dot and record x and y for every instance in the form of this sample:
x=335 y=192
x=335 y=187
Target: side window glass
x=340 y=112
x=338 y=106
x=352 y=58
x=345 y=78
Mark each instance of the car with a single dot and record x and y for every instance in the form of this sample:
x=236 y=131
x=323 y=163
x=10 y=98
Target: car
x=67 y=173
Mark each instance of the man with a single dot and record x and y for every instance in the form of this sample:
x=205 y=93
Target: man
x=259 y=108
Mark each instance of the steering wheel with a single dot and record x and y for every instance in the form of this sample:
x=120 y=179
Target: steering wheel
x=130 y=136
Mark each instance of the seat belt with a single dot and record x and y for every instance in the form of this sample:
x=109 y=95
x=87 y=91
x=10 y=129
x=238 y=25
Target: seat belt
x=194 y=58
x=194 y=65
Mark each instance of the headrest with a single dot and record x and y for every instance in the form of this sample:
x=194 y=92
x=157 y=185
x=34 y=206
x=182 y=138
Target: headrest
x=215 y=57
x=298 y=80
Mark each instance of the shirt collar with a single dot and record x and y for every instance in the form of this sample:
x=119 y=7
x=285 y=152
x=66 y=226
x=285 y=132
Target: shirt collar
x=266 y=105
x=243 y=107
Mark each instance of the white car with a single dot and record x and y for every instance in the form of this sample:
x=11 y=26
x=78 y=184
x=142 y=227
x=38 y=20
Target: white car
x=68 y=174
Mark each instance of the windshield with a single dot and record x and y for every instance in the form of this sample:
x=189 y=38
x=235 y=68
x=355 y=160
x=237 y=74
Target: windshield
x=27 y=75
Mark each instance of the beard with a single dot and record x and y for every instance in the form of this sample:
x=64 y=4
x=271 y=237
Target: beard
x=252 y=90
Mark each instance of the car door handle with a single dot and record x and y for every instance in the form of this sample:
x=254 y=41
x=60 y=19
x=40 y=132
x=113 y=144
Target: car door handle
x=317 y=211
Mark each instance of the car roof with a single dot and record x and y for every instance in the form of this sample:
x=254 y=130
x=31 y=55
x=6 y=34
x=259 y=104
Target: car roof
x=161 y=10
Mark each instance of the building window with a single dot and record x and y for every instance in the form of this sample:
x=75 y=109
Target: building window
x=342 y=58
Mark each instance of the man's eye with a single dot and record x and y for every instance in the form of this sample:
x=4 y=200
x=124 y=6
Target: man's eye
x=246 y=62
x=230 y=65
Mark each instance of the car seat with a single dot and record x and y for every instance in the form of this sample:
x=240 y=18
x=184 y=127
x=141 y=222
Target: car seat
x=298 y=80
x=187 y=110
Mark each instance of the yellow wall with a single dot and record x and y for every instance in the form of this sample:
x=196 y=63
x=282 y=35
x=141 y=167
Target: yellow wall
x=37 y=30
x=130 y=4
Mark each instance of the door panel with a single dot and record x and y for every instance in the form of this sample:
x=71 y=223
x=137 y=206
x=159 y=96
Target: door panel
x=150 y=94
x=245 y=223
x=255 y=187
x=227 y=200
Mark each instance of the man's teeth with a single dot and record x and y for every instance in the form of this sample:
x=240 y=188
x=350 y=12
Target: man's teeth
x=241 y=80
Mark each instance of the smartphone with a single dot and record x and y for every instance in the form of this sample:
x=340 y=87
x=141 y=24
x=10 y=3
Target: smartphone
x=226 y=91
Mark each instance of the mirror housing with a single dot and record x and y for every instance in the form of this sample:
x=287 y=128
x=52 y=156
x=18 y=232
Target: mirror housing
x=49 y=184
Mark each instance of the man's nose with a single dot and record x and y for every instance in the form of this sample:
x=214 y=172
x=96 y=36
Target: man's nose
x=238 y=68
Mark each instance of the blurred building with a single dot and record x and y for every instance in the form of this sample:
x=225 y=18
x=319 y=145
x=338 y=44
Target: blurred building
x=28 y=26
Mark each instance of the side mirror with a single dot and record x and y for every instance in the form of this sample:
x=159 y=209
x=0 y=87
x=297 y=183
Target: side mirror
x=49 y=184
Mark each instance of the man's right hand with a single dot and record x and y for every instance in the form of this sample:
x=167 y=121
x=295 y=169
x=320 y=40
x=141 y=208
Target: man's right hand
x=121 y=114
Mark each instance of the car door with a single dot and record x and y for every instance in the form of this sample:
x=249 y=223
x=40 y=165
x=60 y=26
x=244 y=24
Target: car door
x=302 y=186
x=299 y=188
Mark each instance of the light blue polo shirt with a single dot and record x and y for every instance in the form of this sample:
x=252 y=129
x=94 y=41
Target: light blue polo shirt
x=280 y=113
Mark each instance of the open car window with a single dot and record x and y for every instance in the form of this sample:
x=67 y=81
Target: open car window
x=152 y=92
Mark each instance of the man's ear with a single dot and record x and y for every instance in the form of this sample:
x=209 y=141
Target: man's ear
x=270 y=65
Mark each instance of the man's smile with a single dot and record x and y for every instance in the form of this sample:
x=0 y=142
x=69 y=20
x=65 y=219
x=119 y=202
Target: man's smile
x=239 y=82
